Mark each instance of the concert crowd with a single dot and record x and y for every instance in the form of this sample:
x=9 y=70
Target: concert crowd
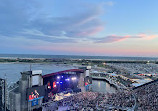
x=92 y=101
x=147 y=97
x=144 y=98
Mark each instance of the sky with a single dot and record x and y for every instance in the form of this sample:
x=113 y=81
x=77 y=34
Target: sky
x=79 y=27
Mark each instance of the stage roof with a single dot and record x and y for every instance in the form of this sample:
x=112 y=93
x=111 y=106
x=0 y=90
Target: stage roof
x=60 y=72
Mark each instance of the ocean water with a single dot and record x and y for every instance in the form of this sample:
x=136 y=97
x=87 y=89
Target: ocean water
x=76 y=57
x=102 y=86
x=12 y=70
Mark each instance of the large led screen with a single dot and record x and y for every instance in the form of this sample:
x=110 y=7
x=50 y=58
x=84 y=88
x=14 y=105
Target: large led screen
x=35 y=93
x=87 y=80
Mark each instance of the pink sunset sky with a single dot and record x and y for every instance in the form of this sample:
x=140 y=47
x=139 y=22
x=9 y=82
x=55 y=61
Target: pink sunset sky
x=83 y=27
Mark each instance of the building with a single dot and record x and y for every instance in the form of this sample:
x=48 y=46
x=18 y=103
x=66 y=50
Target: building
x=19 y=94
x=3 y=95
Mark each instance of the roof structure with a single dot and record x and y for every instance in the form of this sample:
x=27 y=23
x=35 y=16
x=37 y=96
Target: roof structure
x=65 y=71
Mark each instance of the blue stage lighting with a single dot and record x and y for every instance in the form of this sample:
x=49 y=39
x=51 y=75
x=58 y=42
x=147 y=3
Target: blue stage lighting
x=58 y=77
x=57 y=82
x=73 y=78
x=62 y=76
x=67 y=79
x=61 y=82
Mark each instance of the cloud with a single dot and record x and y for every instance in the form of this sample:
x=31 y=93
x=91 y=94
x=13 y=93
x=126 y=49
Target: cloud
x=12 y=18
x=117 y=38
x=78 y=25
x=111 y=38
x=144 y=36
x=33 y=20
x=38 y=20
x=37 y=35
